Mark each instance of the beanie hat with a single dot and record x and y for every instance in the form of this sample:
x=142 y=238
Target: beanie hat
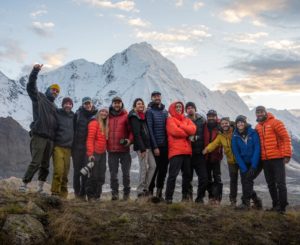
x=241 y=118
x=66 y=100
x=211 y=113
x=192 y=104
x=55 y=86
x=104 y=108
x=260 y=108
x=155 y=93
x=117 y=98
x=86 y=99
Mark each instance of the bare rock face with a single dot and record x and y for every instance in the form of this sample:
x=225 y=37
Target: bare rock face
x=14 y=150
x=23 y=229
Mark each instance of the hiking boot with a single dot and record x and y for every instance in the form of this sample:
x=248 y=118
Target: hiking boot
x=168 y=201
x=115 y=197
x=185 y=198
x=159 y=193
x=233 y=203
x=23 y=188
x=244 y=206
x=199 y=200
x=257 y=203
x=126 y=197
x=40 y=189
x=273 y=209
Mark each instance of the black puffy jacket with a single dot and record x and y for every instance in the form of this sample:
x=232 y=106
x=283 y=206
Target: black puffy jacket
x=65 y=129
x=198 y=145
x=44 y=110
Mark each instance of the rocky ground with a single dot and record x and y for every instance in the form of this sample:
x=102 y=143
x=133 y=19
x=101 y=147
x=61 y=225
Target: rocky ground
x=34 y=219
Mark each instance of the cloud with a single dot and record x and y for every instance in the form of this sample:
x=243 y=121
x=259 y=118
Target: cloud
x=136 y=22
x=126 y=5
x=54 y=59
x=179 y=3
x=39 y=12
x=176 y=35
x=268 y=71
x=10 y=50
x=171 y=50
x=197 y=5
x=269 y=10
x=248 y=38
x=285 y=45
x=43 y=29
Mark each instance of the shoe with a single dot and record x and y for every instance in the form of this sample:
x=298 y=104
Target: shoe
x=168 y=201
x=159 y=193
x=273 y=209
x=40 y=188
x=199 y=200
x=115 y=197
x=126 y=197
x=257 y=203
x=233 y=203
x=23 y=188
x=243 y=207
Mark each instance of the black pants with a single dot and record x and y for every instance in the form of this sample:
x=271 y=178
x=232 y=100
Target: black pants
x=198 y=164
x=177 y=163
x=162 y=163
x=79 y=161
x=41 y=150
x=97 y=178
x=234 y=175
x=124 y=158
x=274 y=171
x=215 y=185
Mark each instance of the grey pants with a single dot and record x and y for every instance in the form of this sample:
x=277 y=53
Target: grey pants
x=41 y=150
x=147 y=169
x=124 y=158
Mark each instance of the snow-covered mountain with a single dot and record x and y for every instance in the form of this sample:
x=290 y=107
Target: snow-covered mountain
x=135 y=72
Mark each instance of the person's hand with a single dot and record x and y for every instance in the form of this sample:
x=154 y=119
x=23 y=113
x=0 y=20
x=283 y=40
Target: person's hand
x=38 y=67
x=91 y=158
x=251 y=172
x=128 y=143
x=192 y=138
x=286 y=160
x=205 y=151
x=156 y=152
x=143 y=154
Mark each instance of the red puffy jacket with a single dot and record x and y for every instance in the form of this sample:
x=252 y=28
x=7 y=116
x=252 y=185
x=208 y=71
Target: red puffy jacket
x=274 y=139
x=217 y=154
x=96 y=140
x=179 y=129
x=118 y=129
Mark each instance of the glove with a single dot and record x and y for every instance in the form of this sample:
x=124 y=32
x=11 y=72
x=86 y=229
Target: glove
x=91 y=158
x=251 y=172
x=286 y=160
x=192 y=138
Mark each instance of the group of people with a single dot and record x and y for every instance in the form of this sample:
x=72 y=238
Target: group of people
x=167 y=142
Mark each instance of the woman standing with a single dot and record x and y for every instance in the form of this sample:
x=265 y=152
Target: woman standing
x=142 y=146
x=96 y=152
x=246 y=149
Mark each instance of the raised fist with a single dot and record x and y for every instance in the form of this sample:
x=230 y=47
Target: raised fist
x=38 y=66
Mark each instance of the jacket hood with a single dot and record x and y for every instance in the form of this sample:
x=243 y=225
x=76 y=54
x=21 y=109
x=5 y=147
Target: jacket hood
x=249 y=129
x=172 y=108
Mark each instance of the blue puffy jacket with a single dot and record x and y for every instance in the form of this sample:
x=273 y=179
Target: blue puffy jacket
x=156 y=120
x=246 y=150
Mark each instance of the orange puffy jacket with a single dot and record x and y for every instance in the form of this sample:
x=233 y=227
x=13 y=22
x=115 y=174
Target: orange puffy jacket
x=96 y=140
x=274 y=139
x=179 y=129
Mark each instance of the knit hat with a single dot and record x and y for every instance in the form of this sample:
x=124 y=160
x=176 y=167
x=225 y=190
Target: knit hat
x=104 y=108
x=117 y=98
x=66 y=100
x=241 y=118
x=155 y=93
x=192 y=104
x=260 y=108
x=55 y=86
x=86 y=99
x=211 y=113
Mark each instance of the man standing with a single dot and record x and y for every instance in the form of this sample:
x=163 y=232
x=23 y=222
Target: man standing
x=156 y=117
x=276 y=151
x=197 y=161
x=62 y=148
x=213 y=159
x=81 y=119
x=119 y=140
x=224 y=139
x=42 y=129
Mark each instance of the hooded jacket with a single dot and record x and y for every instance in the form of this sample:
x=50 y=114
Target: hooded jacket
x=156 y=118
x=140 y=132
x=119 y=128
x=246 y=150
x=96 y=139
x=274 y=138
x=81 y=120
x=223 y=139
x=64 y=132
x=44 y=110
x=179 y=128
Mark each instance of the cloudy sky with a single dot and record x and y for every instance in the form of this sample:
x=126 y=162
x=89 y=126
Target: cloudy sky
x=252 y=47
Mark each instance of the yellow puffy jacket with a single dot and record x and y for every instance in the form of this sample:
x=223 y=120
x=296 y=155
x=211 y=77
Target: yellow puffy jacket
x=223 y=139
